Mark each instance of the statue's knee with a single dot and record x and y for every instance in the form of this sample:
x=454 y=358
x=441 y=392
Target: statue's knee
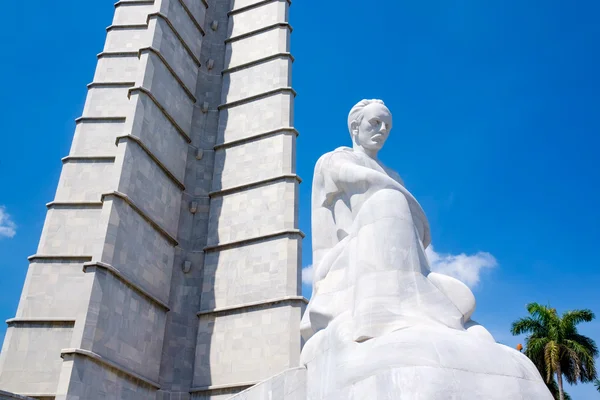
x=389 y=196
x=389 y=201
x=385 y=203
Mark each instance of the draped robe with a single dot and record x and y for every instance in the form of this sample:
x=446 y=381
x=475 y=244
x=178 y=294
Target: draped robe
x=380 y=324
x=369 y=239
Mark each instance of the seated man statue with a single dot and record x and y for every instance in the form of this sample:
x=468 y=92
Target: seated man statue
x=380 y=324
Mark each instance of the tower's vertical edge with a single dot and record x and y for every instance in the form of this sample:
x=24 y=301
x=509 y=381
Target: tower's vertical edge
x=92 y=316
x=250 y=308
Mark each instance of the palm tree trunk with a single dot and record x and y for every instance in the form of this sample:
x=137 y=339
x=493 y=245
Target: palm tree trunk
x=561 y=393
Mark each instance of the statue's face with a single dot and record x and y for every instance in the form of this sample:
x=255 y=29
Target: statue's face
x=374 y=128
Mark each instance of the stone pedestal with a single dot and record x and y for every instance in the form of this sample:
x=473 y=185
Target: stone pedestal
x=424 y=363
x=410 y=364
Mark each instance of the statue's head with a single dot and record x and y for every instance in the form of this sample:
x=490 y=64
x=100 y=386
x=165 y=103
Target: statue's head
x=370 y=123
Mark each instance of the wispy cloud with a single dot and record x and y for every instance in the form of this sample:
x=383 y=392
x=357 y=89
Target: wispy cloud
x=466 y=268
x=8 y=229
x=307 y=275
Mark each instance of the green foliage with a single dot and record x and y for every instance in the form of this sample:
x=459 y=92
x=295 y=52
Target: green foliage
x=597 y=384
x=556 y=347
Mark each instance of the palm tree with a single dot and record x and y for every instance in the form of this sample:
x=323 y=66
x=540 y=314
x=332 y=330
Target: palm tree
x=555 y=346
x=553 y=388
x=597 y=384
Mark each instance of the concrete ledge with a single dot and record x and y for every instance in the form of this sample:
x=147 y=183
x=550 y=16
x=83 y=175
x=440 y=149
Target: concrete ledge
x=54 y=257
x=255 y=5
x=110 y=364
x=151 y=2
x=101 y=119
x=126 y=27
x=69 y=322
x=179 y=37
x=171 y=70
x=147 y=92
x=128 y=281
x=211 y=388
x=134 y=3
x=110 y=84
x=205 y=4
x=99 y=158
x=258 y=62
x=258 y=136
x=257 y=239
x=170 y=238
x=171 y=26
x=73 y=204
x=154 y=158
x=191 y=16
x=256 y=97
x=98 y=204
x=251 y=185
x=256 y=304
x=108 y=54
x=259 y=31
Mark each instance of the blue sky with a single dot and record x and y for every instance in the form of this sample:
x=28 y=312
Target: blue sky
x=496 y=131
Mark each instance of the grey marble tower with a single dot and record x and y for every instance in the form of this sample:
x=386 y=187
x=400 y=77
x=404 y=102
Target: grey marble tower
x=169 y=262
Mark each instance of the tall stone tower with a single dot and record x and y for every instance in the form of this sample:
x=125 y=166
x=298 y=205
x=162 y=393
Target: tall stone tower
x=169 y=262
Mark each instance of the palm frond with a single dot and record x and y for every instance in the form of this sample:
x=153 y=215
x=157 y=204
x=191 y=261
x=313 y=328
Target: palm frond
x=575 y=317
x=587 y=342
x=581 y=352
x=546 y=315
x=551 y=353
x=554 y=332
x=535 y=346
x=588 y=370
x=574 y=360
x=527 y=325
x=534 y=350
x=568 y=368
x=585 y=361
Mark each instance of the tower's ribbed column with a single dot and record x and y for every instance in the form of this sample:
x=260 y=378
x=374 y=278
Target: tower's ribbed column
x=250 y=308
x=97 y=290
x=168 y=266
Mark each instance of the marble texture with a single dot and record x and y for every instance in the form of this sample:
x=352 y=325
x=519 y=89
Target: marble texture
x=380 y=324
x=288 y=385
x=30 y=359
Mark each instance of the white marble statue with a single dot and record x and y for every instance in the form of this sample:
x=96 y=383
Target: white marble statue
x=380 y=324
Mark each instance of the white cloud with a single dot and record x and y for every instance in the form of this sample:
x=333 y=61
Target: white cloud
x=466 y=268
x=8 y=228
x=307 y=275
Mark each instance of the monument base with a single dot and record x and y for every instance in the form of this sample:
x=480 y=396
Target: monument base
x=422 y=363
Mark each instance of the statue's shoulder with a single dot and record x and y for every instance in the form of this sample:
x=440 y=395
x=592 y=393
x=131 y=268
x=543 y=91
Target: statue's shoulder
x=337 y=154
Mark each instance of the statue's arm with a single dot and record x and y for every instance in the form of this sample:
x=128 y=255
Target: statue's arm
x=342 y=173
